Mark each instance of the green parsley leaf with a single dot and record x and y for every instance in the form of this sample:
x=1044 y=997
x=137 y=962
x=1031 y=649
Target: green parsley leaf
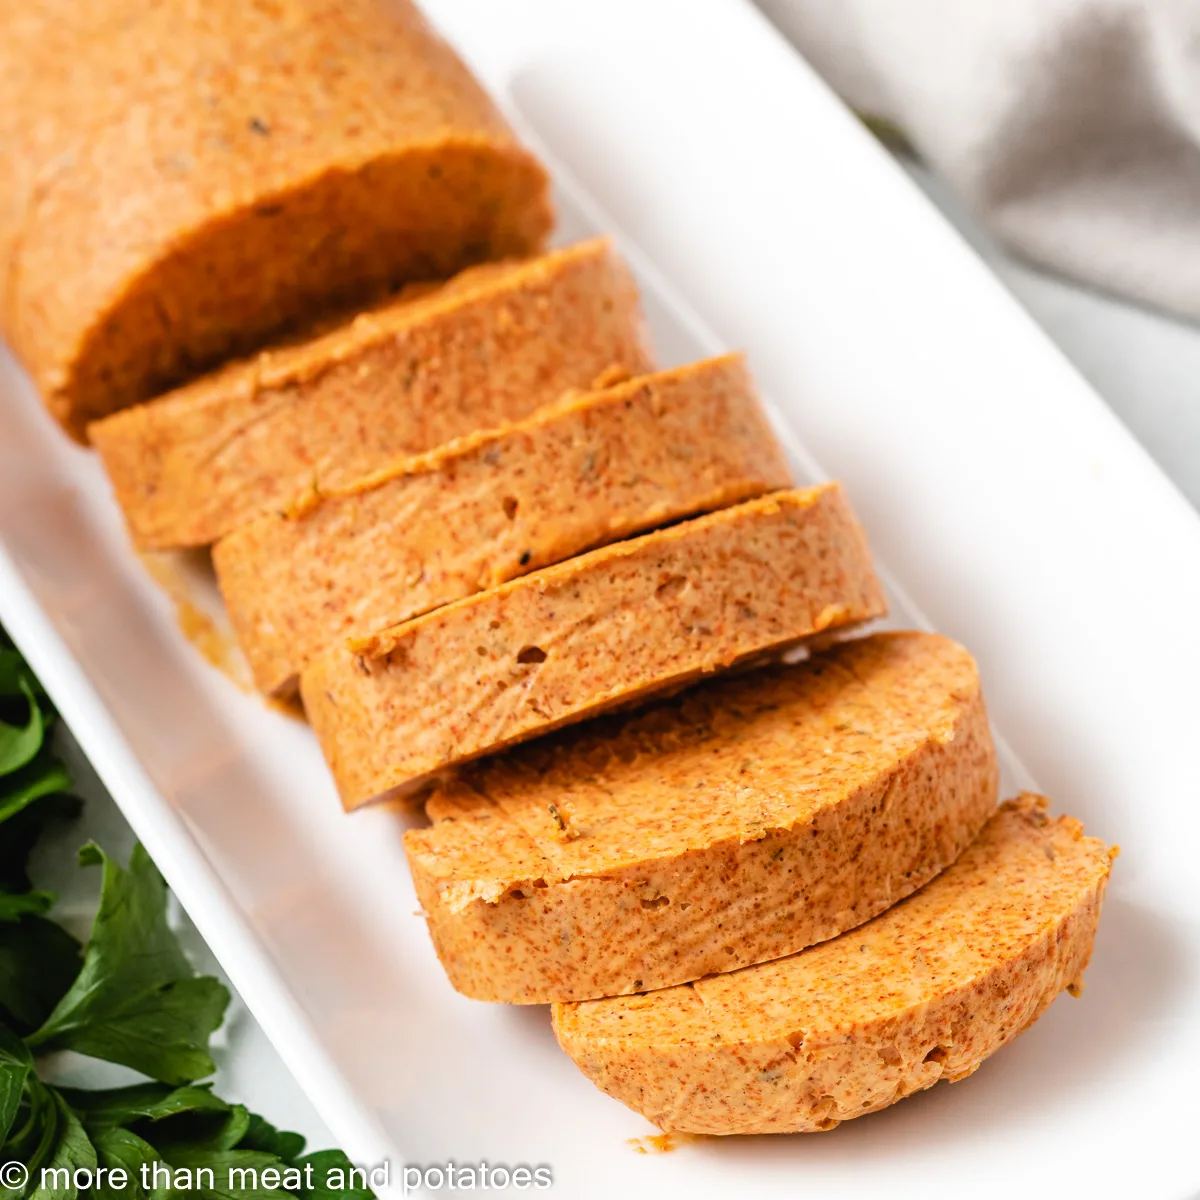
x=39 y=961
x=122 y=1149
x=16 y=1064
x=228 y=1182
x=40 y=775
x=24 y=904
x=262 y=1135
x=19 y=743
x=47 y=1134
x=200 y=1132
x=55 y=1179
x=128 y=1106
x=35 y=1132
x=137 y=1000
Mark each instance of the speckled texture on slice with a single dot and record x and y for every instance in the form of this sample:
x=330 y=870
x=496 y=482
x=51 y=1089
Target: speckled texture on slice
x=925 y=992
x=493 y=345
x=590 y=470
x=184 y=179
x=737 y=822
x=604 y=629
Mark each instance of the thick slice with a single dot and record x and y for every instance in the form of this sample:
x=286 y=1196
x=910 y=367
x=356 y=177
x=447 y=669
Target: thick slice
x=595 y=468
x=183 y=180
x=493 y=345
x=924 y=992
x=610 y=627
x=741 y=821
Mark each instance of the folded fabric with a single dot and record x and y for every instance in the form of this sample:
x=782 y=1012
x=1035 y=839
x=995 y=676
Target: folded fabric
x=1071 y=126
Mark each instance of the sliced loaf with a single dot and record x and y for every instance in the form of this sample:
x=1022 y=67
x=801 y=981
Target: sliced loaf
x=613 y=626
x=740 y=821
x=590 y=470
x=183 y=180
x=491 y=346
x=924 y=992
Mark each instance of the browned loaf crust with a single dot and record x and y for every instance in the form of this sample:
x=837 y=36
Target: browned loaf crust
x=590 y=470
x=493 y=345
x=610 y=627
x=184 y=180
x=738 y=822
x=925 y=992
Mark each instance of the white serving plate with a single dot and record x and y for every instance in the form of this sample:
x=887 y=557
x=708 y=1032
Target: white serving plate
x=1018 y=513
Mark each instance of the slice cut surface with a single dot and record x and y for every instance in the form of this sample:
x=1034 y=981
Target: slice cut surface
x=612 y=626
x=587 y=471
x=493 y=345
x=924 y=992
x=740 y=821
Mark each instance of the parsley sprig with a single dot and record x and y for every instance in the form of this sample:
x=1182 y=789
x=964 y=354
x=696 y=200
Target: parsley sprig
x=128 y=996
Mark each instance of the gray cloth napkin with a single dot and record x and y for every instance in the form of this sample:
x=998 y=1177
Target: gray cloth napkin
x=1071 y=126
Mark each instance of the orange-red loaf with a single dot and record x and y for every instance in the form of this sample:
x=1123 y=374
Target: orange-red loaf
x=740 y=821
x=594 y=468
x=607 y=628
x=183 y=180
x=493 y=345
x=924 y=992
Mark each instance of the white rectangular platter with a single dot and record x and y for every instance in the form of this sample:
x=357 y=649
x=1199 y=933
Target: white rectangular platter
x=1019 y=516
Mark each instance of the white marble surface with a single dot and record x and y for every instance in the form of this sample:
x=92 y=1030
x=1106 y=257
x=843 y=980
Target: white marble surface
x=1144 y=365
